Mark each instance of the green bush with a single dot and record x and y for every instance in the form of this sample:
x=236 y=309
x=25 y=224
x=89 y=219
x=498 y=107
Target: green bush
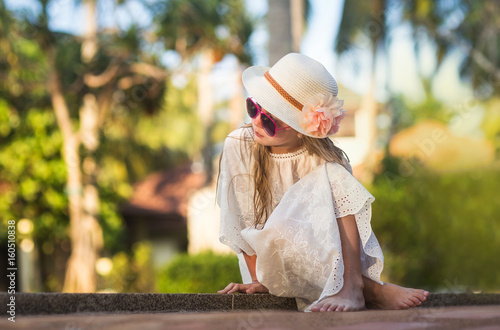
x=201 y=273
x=439 y=231
x=131 y=272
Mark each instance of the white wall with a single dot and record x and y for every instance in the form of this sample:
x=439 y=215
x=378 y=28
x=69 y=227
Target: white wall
x=204 y=223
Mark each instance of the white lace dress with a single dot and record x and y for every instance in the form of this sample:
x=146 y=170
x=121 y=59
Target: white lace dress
x=298 y=250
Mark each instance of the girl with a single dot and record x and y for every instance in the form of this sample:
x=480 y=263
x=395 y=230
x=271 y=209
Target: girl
x=290 y=207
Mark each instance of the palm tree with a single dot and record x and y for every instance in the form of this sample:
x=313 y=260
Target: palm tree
x=286 y=22
x=474 y=31
x=471 y=27
x=365 y=19
x=85 y=231
x=205 y=30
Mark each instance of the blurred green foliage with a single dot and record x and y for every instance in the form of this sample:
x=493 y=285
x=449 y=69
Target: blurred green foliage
x=131 y=272
x=405 y=112
x=438 y=231
x=491 y=123
x=177 y=126
x=200 y=273
x=33 y=178
x=475 y=24
x=191 y=26
x=32 y=172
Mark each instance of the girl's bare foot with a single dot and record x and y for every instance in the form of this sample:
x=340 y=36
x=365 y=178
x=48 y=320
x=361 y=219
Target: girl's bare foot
x=391 y=296
x=349 y=298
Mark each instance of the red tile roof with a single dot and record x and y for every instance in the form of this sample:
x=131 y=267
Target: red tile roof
x=165 y=192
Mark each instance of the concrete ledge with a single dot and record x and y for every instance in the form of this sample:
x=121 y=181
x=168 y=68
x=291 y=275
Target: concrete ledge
x=66 y=303
x=461 y=299
x=69 y=303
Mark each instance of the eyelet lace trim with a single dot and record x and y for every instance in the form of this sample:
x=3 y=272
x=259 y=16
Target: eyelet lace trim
x=289 y=155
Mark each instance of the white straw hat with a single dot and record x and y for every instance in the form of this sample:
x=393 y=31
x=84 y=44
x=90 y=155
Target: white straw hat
x=292 y=88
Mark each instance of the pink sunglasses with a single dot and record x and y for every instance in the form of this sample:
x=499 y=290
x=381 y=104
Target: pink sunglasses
x=268 y=124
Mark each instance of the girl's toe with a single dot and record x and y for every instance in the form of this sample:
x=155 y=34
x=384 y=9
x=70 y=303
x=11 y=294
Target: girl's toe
x=402 y=305
x=331 y=308
x=410 y=303
x=415 y=301
x=325 y=307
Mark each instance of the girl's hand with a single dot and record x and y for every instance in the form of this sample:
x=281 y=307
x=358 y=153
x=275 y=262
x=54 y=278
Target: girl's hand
x=253 y=287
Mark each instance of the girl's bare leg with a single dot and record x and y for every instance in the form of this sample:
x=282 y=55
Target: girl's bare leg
x=358 y=288
x=350 y=297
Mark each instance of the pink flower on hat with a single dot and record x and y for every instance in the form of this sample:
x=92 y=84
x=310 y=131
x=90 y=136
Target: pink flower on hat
x=321 y=116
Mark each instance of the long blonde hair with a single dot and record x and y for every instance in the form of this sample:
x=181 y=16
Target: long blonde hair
x=262 y=197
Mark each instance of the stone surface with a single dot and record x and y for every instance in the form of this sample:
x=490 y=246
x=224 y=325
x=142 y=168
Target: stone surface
x=263 y=301
x=461 y=299
x=459 y=317
x=67 y=303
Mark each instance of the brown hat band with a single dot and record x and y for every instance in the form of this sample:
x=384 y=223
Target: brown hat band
x=283 y=92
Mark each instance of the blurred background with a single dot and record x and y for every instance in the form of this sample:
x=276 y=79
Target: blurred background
x=113 y=114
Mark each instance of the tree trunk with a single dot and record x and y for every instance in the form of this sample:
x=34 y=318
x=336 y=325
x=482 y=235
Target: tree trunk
x=367 y=131
x=280 y=29
x=297 y=23
x=285 y=22
x=71 y=158
x=236 y=105
x=206 y=108
x=369 y=109
x=85 y=231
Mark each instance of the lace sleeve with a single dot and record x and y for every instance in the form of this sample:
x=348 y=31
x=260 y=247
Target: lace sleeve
x=235 y=192
x=351 y=197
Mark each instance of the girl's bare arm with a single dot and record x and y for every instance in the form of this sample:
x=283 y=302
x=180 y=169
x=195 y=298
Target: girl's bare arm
x=253 y=287
x=251 y=261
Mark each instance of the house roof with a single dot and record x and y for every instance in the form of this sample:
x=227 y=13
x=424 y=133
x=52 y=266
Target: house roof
x=164 y=193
